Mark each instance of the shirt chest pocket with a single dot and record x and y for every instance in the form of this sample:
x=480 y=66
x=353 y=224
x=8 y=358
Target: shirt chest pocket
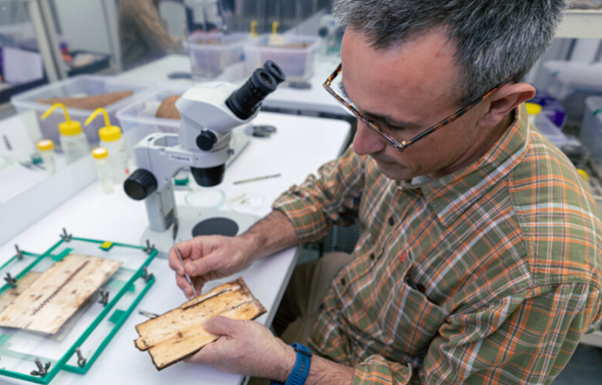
x=408 y=320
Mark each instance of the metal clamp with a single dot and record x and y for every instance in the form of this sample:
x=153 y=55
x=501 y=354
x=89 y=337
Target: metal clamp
x=146 y=275
x=42 y=369
x=104 y=297
x=65 y=236
x=19 y=252
x=81 y=361
x=12 y=282
x=149 y=248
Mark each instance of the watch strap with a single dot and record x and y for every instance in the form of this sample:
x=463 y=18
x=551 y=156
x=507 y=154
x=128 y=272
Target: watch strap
x=301 y=368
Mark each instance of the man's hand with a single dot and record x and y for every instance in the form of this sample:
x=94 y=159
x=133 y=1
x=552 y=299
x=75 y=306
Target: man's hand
x=208 y=258
x=246 y=347
x=213 y=257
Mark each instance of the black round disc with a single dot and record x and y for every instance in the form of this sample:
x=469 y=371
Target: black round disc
x=215 y=226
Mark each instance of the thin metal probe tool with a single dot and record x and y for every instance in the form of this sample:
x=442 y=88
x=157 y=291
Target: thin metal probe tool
x=185 y=273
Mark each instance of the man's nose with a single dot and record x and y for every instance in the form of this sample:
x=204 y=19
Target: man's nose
x=366 y=140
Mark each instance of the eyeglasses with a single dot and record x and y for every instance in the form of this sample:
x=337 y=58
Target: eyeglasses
x=401 y=146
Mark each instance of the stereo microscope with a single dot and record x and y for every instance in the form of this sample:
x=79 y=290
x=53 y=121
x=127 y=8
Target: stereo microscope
x=210 y=112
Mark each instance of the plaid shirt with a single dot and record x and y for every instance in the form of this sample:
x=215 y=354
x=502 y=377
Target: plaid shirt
x=488 y=275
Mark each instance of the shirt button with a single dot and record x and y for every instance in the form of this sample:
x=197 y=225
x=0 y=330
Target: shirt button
x=343 y=281
x=321 y=307
x=372 y=256
x=391 y=220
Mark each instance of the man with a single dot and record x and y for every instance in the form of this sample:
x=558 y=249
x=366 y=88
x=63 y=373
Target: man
x=479 y=254
x=143 y=35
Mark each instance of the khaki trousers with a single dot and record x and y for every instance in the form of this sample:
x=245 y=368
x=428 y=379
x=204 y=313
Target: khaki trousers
x=302 y=300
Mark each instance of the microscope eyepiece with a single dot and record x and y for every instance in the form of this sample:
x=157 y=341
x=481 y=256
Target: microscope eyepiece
x=276 y=72
x=247 y=99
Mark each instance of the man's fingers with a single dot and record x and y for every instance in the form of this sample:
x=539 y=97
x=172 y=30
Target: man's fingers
x=203 y=266
x=222 y=326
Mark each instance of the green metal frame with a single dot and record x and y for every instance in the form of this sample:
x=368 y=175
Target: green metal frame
x=61 y=364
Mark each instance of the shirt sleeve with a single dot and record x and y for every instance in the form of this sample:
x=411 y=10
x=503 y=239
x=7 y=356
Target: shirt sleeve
x=526 y=338
x=333 y=197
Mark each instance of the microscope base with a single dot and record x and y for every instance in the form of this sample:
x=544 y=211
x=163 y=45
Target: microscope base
x=195 y=221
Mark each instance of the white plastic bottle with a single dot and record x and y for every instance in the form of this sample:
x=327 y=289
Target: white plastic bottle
x=74 y=142
x=46 y=148
x=103 y=167
x=533 y=109
x=111 y=139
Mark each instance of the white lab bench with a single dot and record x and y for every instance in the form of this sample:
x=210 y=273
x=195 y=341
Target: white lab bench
x=298 y=148
x=314 y=99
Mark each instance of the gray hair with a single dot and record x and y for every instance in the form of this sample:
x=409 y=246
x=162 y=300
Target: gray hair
x=494 y=39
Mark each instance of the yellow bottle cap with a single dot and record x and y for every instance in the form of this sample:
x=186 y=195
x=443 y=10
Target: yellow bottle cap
x=583 y=174
x=107 y=133
x=45 y=145
x=253 y=27
x=533 y=108
x=100 y=153
x=68 y=127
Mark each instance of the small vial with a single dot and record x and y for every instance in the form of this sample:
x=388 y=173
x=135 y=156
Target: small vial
x=46 y=148
x=111 y=139
x=105 y=175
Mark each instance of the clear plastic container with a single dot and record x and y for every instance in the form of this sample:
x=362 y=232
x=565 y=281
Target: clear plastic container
x=211 y=54
x=139 y=119
x=105 y=175
x=591 y=129
x=78 y=86
x=546 y=127
x=46 y=148
x=294 y=54
x=571 y=83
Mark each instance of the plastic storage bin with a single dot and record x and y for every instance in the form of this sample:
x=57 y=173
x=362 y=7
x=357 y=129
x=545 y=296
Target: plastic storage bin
x=550 y=131
x=297 y=63
x=139 y=119
x=79 y=86
x=571 y=84
x=212 y=54
x=591 y=129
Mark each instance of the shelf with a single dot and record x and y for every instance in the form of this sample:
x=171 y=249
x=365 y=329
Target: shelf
x=579 y=24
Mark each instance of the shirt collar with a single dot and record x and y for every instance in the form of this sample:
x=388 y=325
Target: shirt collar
x=451 y=195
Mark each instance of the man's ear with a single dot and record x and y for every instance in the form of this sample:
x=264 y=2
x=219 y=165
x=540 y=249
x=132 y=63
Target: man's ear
x=504 y=100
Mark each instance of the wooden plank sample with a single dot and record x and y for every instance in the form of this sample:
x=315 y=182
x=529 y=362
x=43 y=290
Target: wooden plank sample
x=10 y=295
x=57 y=294
x=179 y=333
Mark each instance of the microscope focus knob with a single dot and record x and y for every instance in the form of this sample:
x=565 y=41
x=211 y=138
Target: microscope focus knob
x=140 y=184
x=206 y=140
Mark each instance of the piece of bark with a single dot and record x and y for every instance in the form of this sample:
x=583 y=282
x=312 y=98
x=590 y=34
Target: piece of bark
x=179 y=333
x=168 y=110
x=58 y=293
x=91 y=102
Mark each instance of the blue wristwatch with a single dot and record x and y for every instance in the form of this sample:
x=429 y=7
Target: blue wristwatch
x=301 y=368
